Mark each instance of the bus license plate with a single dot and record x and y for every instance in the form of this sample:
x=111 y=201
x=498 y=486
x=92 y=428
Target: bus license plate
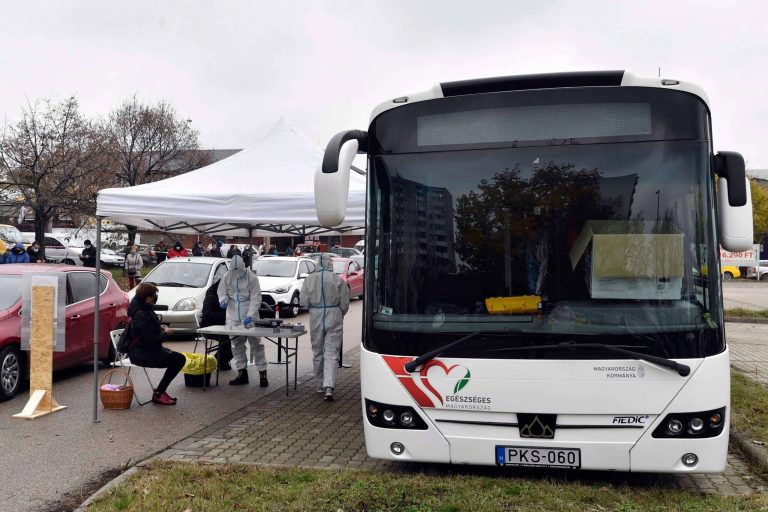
x=542 y=457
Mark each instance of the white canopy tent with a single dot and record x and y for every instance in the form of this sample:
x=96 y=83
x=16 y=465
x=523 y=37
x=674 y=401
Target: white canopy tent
x=266 y=189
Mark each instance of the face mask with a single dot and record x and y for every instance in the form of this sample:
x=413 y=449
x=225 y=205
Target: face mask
x=178 y=247
x=87 y=246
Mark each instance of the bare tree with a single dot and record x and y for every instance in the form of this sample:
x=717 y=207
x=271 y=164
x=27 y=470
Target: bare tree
x=146 y=143
x=44 y=155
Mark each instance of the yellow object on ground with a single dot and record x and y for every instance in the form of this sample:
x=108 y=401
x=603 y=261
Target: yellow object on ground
x=522 y=304
x=194 y=364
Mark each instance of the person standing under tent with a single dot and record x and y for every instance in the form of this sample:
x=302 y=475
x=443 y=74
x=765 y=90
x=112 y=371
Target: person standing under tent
x=240 y=294
x=177 y=251
x=161 y=252
x=216 y=250
x=248 y=255
x=197 y=249
x=327 y=297
x=214 y=315
x=233 y=251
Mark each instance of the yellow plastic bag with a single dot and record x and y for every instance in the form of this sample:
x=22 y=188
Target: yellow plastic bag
x=194 y=364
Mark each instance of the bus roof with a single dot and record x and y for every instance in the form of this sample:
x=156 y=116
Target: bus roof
x=541 y=81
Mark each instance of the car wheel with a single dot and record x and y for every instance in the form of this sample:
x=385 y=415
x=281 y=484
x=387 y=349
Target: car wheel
x=293 y=308
x=68 y=262
x=10 y=372
x=727 y=276
x=764 y=277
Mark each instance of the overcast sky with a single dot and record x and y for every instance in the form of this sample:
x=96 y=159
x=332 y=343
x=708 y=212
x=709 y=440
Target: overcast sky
x=234 y=68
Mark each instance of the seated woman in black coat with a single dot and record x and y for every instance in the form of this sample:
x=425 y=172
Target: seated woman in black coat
x=146 y=345
x=214 y=315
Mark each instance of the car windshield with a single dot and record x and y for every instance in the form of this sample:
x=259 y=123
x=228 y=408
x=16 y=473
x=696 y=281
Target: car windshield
x=188 y=273
x=339 y=267
x=275 y=268
x=346 y=252
x=11 y=286
x=10 y=234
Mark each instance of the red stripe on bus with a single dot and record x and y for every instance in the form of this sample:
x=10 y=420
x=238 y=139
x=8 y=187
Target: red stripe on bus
x=421 y=398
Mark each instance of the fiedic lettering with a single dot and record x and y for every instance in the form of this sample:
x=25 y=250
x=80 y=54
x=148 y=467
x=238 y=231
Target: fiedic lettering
x=629 y=420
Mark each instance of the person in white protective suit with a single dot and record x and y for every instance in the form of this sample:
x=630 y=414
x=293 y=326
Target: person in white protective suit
x=240 y=294
x=327 y=297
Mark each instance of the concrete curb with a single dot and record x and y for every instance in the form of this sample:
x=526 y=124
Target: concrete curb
x=746 y=320
x=108 y=486
x=756 y=454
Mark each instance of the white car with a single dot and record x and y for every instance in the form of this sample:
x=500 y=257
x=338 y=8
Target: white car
x=281 y=279
x=110 y=258
x=760 y=272
x=183 y=283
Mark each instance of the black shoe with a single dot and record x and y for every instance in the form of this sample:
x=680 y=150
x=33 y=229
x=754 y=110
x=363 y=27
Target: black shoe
x=242 y=378
x=263 y=382
x=225 y=366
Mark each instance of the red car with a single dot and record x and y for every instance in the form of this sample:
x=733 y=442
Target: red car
x=350 y=272
x=79 y=327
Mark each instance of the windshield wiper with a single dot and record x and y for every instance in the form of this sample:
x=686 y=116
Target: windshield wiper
x=411 y=367
x=682 y=369
x=177 y=285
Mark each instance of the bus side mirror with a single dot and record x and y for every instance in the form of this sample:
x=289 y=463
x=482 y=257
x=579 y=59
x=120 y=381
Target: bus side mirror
x=734 y=201
x=332 y=179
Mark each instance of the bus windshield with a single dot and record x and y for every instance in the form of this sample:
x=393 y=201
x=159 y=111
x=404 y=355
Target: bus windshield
x=609 y=241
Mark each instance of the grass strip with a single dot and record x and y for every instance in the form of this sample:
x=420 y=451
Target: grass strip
x=749 y=407
x=747 y=313
x=165 y=485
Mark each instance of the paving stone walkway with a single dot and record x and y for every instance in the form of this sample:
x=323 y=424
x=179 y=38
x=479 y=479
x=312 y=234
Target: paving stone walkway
x=304 y=430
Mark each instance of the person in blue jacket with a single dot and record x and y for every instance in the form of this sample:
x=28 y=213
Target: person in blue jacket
x=17 y=254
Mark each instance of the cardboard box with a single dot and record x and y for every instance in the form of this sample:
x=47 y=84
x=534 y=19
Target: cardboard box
x=631 y=259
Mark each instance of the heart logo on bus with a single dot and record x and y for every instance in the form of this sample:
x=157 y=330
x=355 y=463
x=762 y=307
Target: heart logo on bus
x=442 y=380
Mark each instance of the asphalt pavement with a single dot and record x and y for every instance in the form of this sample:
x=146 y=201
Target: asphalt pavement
x=745 y=293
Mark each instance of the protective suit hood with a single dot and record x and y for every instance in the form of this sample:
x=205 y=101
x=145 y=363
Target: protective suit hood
x=238 y=266
x=325 y=262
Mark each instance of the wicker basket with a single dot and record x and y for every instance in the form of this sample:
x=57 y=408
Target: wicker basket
x=119 y=399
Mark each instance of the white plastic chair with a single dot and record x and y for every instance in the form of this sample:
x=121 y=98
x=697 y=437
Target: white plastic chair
x=122 y=360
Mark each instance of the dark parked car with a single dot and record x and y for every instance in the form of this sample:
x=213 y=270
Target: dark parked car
x=79 y=327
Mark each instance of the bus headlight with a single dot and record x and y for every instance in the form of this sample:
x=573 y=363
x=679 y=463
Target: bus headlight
x=696 y=425
x=691 y=425
x=388 y=416
x=393 y=416
x=675 y=426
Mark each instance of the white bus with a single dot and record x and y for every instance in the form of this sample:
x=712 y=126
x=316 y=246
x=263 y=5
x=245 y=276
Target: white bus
x=536 y=285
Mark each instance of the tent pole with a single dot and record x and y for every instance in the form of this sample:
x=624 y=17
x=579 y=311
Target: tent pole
x=96 y=317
